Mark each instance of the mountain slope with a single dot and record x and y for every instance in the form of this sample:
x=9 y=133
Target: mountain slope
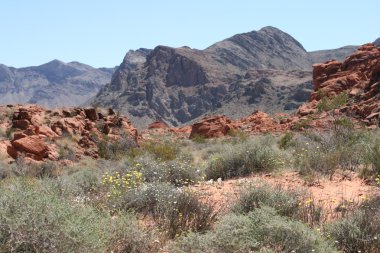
x=266 y=48
x=377 y=42
x=338 y=54
x=52 y=84
x=177 y=85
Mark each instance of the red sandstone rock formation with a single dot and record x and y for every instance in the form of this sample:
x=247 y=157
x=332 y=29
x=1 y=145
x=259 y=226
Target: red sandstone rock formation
x=358 y=76
x=209 y=127
x=36 y=131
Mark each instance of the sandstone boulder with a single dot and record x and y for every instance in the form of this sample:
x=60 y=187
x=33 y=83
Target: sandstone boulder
x=210 y=127
x=31 y=144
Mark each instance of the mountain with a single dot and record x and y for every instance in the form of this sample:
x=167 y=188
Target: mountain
x=338 y=54
x=267 y=70
x=52 y=84
x=377 y=42
x=177 y=85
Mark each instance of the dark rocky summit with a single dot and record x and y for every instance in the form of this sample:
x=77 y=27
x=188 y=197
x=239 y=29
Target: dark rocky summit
x=52 y=84
x=267 y=69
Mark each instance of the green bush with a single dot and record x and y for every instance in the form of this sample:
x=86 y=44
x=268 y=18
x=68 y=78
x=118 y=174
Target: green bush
x=66 y=153
x=174 y=209
x=82 y=181
x=198 y=138
x=109 y=149
x=323 y=153
x=162 y=151
x=178 y=172
x=286 y=141
x=372 y=158
x=359 y=231
x=243 y=159
x=35 y=217
x=291 y=203
x=261 y=230
x=327 y=104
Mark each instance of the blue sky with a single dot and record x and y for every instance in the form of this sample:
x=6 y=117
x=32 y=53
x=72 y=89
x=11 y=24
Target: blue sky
x=99 y=33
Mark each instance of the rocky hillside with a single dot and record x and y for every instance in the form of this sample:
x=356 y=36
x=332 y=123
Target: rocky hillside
x=266 y=70
x=344 y=93
x=52 y=84
x=338 y=54
x=377 y=42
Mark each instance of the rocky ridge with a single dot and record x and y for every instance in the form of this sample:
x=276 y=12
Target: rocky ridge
x=54 y=84
x=356 y=80
x=236 y=76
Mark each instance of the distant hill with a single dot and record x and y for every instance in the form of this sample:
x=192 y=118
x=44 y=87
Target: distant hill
x=334 y=54
x=267 y=70
x=52 y=84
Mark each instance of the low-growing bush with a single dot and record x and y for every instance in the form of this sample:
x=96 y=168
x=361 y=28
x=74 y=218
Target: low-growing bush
x=111 y=149
x=178 y=172
x=82 y=181
x=162 y=151
x=286 y=141
x=66 y=153
x=327 y=104
x=261 y=230
x=323 y=153
x=291 y=203
x=242 y=159
x=174 y=209
x=35 y=217
x=359 y=231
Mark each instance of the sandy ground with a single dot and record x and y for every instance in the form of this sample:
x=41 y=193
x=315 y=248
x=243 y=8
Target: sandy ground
x=330 y=193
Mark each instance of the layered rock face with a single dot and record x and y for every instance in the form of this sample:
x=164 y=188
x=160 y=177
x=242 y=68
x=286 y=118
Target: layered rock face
x=39 y=134
x=358 y=77
x=54 y=84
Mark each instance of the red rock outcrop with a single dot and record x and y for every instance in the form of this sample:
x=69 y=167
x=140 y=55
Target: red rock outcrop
x=210 y=127
x=358 y=76
x=37 y=132
x=158 y=125
x=259 y=122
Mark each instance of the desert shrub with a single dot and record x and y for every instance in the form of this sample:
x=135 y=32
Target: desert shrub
x=372 y=158
x=327 y=104
x=162 y=151
x=178 y=172
x=45 y=169
x=82 y=181
x=323 y=153
x=239 y=134
x=174 y=209
x=302 y=124
x=110 y=149
x=261 y=230
x=5 y=170
x=66 y=153
x=286 y=141
x=243 y=159
x=359 y=231
x=198 y=138
x=291 y=203
x=34 y=217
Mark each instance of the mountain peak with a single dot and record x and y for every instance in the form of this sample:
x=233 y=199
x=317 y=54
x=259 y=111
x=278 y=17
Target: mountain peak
x=270 y=29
